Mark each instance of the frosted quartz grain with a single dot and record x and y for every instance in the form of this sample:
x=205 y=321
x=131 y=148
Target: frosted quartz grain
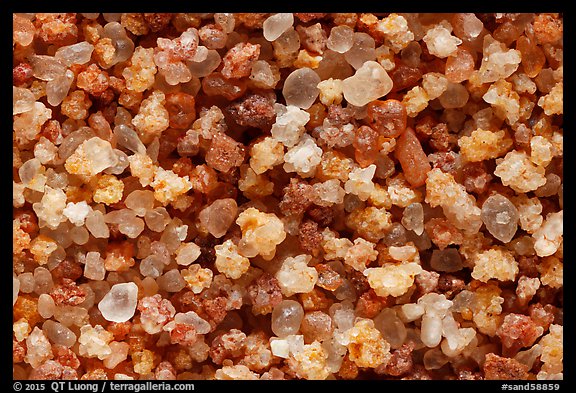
x=369 y=83
x=295 y=276
x=495 y=263
x=119 y=304
x=552 y=103
x=328 y=193
x=140 y=75
x=541 y=150
x=168 y=186
x=504 y=101
x=434 y=84
x=229 y=262
x=91 y=157
x=498 y=62
x=366 y=346
x=360 y=182
x=396 y=30
x=310 y=363
x=303 y=158
x=458 y=206
x=266 y=154
x=152 y=117
x=440 y=42
x=94 y=342
x=289 y=125
x=77 y=212
x=28 y=125
x=50 y=208
x=39 y=348
x=549 y=236
x=484 y=145
x=518 y=172
x=261 y=233
x=392 y=280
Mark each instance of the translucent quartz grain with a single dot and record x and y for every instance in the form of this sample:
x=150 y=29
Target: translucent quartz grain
x=99 y=154
x=447 y=260
x=225 y=21
x=46 y=306
x=286 y=318
x=500 y=217
x=79 y=53
x=157 y=219
x=192 y=319
x=467 y=26
x=370 y=82
x=459 y=66
x=363 y=50
x=263 y=75
x=26 y=282
x=58 y=88
x=31 y=175
x=300 y=88
x=43 y=282
x=151 y=266
x=219 y=216
x=187 y=253
x=22 y=30
x=434 y=359
x=123 y=45
x=119 y=304
x=96 y=224
x=128 y=138
x=288 y=43
x=341 y=39
x=59 y=334
x=412 y=158
x=171 y=281
x=94 y=266
x=205 y=67
x=413 y=218
x=274 y=26
x=392 y=328
x=46 y=68
x=455 y=96
x=140 y=202
x=22 y=100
